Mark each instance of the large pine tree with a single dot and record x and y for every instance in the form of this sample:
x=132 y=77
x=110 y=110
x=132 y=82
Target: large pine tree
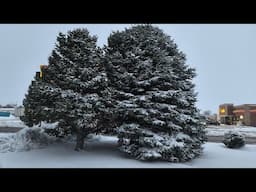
x=155 y=96
x=75 y=84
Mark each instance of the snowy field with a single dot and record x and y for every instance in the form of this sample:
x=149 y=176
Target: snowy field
x=102 y=152
x=11 y=122
x=220 y=130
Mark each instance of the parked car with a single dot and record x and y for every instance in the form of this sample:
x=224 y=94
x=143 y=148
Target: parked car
x=203 y=119
x=212 y=122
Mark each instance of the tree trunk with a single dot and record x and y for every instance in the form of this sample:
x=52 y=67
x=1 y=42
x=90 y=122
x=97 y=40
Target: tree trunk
x=79 y=142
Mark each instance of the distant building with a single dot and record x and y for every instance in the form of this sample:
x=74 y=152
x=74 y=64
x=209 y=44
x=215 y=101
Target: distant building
x=241 y=114
x=8 y=110
x=15 y=111
x=19 y=111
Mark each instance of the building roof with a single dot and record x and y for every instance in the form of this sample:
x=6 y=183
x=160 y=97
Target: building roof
x=242 y=111
x=253 y=105
x=227 y=104
x=239 y=111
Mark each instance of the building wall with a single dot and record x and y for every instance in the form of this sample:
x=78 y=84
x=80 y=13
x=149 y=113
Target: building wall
x=237 y=118
x=226 y=113
x=249 y=117
x=253 y=119
x=228 y=108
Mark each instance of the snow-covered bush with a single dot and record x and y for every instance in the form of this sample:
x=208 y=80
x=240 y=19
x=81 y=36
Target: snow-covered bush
x=234 y=139
x=7 y=143
x=30 y=138
x=25 y=140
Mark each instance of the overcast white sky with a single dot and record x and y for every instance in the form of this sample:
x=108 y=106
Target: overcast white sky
x=224 y=56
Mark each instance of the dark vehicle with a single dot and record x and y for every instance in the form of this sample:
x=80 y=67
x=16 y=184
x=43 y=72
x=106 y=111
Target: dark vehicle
x=203 y=119
x=212 y=122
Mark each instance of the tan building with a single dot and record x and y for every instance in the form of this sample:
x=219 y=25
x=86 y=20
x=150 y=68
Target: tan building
x=241 y=114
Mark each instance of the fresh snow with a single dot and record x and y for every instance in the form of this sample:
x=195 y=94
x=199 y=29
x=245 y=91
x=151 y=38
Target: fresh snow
x=11 y=121
x=25 y=140
x=158 y=122
x=16 y=151
x=46 y=125
x=143 y=98
x=11 y=117
x=102 y=152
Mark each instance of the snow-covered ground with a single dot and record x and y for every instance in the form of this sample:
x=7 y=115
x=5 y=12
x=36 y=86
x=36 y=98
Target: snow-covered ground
x=102 y=152
x=220 y=130
x=11 y=122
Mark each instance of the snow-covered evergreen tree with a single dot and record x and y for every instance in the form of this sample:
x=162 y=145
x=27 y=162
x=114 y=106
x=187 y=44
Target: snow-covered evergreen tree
x=75 y=84
x=75 y=63
x=155 y=96
x=34 y=103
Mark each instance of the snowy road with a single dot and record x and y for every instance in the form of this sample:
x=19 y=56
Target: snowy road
x=221 y=130
x=10 y=129
x=219 y=139
x=216 y=133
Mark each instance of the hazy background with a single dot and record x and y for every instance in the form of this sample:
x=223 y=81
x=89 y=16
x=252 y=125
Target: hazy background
x=223 y=55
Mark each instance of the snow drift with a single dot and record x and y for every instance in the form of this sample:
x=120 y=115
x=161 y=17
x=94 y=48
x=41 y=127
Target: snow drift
x=25 y=140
